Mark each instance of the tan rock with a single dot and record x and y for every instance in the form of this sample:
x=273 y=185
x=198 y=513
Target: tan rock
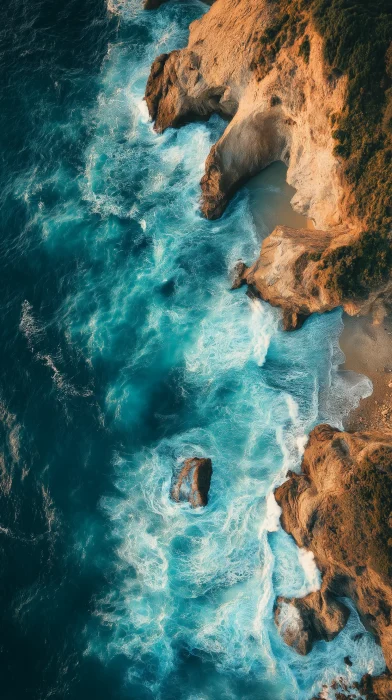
x=285 y=115
x=303 y=621
x=339 y=507
x=193 y=482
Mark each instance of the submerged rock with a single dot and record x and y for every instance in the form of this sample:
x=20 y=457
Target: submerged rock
x=193 y=482
x=340 y=507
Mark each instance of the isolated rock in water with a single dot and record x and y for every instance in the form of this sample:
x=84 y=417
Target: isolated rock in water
x=292 y=320
x=340 y=508
x=193 y=482
x=301 y=622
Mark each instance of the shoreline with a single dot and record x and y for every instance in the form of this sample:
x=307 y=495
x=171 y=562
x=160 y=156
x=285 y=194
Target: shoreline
x=365 y=341
x=367 y=346
x=339 y=505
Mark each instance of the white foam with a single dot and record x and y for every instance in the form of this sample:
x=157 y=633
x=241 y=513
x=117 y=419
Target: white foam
x=272 y=521
x=206 y=579
x=313 y=577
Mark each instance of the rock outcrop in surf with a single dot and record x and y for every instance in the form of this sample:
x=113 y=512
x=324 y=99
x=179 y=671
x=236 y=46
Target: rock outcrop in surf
x=340 y=508
x=192 y=484
x=303 y=621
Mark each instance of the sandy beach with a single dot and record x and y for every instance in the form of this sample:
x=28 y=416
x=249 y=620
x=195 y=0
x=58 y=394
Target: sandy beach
x=368 y=350
x=367 y=344
x=270 y=197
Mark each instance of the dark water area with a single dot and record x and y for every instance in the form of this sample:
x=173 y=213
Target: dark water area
x=122 y=352
x=52 y=450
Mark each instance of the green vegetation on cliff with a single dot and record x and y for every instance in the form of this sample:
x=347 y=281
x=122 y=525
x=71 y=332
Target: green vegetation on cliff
x=358 y=43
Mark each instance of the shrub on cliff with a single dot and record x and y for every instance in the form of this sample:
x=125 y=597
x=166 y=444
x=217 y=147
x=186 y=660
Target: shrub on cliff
x=358 y=43
x=358 y=40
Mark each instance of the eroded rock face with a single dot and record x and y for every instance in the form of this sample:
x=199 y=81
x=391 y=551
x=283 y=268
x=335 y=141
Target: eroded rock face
x=379 y=688
x=289 y=273
x=340 y=507
x=293 y=272
x=193 y=482
x=303 y=621
x=282 y=114
x=280 y=105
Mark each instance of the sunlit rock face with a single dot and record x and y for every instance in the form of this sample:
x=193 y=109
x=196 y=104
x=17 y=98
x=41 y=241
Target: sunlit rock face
x=340 y=508
x=193 y=482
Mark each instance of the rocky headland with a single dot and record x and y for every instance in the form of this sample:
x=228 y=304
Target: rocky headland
x=297 y=82
x=340 y=507
x=193 y=482
x=309 y=83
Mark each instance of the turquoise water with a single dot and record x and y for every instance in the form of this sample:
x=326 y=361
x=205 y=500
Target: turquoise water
x=127 y=354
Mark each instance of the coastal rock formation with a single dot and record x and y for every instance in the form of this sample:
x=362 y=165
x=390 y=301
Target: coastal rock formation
x=293 y=272
x=379 y=688
x=285 y=77
x=193 y=482
x=303 y=621
x=281 y=115
x=287 y=273
x=340 y=508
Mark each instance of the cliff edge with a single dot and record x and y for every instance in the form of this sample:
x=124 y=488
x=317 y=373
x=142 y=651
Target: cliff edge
x=308 y=83
x=340 y=508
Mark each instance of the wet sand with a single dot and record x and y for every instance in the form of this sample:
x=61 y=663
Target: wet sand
x=270 y=197
x=366 y=345
x=368 y=350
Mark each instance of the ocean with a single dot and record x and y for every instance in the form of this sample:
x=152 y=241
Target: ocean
x=123 y=352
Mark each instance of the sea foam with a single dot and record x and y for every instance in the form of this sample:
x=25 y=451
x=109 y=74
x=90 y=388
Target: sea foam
x=196 y=370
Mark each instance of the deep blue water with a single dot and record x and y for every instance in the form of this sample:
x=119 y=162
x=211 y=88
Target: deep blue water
x=123 y=352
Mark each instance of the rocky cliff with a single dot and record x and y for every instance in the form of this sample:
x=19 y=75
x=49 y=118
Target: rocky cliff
x=309 y=83
x=340 y=508
x=284 y=115
x=274 y=72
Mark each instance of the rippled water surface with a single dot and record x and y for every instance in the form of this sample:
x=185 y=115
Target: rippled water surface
x=124 y=352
